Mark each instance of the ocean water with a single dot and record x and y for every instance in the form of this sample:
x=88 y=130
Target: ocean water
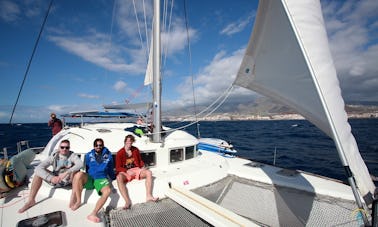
x=295 y=144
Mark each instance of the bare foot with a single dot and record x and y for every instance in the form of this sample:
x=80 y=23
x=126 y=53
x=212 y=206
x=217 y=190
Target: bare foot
x=152 y=199
x=26 y=206
x=75 y=206
x=72 y=202
x=127 y=205
x=93 y=218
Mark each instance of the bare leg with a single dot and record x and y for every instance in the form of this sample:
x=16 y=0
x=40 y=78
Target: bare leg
x=122 y=188
x=79 y=179
x=72 y=199
x=148 y=175
x=100 y=203
x=35 y=186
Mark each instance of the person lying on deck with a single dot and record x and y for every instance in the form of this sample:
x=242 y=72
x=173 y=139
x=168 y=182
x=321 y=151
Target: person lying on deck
x=129 y=166
x=14 y=170
x=65 y=164
x=99 y=168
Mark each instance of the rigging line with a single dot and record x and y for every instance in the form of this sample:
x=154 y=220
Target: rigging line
x=190 y=66
x=225 y=94
x=106 y=77
x=164 y=45
x=228 y=94
x=164 y=26
x=112 y=24
x=165 y=14
x=196 y=121
x=140 y=34
x=145 y=29
x=228 y=90
x=30 y=60
x=168 y=32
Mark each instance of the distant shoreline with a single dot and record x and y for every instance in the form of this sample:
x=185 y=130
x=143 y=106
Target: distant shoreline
x=245 y=117
x=236 y=117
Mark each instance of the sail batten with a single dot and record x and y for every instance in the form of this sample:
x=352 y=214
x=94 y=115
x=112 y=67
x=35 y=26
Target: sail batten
x=288 y=59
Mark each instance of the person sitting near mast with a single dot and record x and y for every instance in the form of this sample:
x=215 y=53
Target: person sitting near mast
x=129 y=166
x=65 y=164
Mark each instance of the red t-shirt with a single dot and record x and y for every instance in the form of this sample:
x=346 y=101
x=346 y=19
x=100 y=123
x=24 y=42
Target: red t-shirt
x=123 y=163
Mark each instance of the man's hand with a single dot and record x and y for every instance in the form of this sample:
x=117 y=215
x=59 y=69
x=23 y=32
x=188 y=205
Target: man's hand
x=55 y=179
x=63 y=175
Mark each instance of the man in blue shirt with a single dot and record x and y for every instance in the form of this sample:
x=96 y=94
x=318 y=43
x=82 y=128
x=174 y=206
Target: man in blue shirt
x=99 y=168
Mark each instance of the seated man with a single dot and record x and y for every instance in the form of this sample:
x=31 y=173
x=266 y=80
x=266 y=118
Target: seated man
x=99 y=166
x=129 y=166
x=13 y=171
x=65 y=164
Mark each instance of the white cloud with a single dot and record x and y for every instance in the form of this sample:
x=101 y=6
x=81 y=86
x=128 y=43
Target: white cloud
x=56 y=108
x=96 y=48
x=3 y=114
x=120 y=86
x=212 y=81
x=9 y=11
x=15 y=11
x=88 y=96
x=235 y=27
x=127 y=20
x=104 y=51
x=351 y=27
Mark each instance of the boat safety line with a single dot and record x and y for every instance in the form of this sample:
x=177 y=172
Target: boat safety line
x=196 y=198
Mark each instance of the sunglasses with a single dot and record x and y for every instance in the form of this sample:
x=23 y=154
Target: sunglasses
x=99 y=145
x=63 y=147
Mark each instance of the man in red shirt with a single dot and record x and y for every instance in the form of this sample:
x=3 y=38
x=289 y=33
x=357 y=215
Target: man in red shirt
x=129 y=166
x=55 y=123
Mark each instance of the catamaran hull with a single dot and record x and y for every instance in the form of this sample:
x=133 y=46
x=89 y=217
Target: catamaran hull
x=244 y=192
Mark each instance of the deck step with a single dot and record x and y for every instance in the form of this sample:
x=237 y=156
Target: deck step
x=206 y=209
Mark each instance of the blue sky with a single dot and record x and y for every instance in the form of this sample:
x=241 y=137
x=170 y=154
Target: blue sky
x=90 y=53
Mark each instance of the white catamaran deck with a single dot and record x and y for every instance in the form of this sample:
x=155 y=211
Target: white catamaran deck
x=251 y=190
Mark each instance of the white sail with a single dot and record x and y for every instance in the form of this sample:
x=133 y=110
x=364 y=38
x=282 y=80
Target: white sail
x=288 y=59
x=148 y=77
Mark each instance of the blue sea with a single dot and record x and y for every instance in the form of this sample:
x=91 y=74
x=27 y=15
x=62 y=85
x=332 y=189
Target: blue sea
x=295 y=144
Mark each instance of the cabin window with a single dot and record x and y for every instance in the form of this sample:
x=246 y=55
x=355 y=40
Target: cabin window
x=189 y=152
x=176 y=155
x=149 y=158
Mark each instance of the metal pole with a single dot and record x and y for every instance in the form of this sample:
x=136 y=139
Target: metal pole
x=156 y=136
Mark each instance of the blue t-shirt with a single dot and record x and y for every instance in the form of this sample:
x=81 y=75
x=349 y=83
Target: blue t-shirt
x=100 y=165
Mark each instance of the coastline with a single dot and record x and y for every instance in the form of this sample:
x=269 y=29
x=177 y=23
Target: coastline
x=247 y=117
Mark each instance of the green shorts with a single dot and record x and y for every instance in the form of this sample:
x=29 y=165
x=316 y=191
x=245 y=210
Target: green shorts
x=97 y=184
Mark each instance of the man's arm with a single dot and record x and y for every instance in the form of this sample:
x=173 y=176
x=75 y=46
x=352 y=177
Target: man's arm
x=41 y=169
x=120 y=165
x=78 y=164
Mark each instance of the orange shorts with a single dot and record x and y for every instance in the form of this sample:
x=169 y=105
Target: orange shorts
x=131 y=174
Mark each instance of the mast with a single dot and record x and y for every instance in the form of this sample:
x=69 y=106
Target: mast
x=156 y=109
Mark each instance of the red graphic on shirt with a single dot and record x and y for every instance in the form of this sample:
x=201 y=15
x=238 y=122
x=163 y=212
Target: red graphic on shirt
x=129 y=163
